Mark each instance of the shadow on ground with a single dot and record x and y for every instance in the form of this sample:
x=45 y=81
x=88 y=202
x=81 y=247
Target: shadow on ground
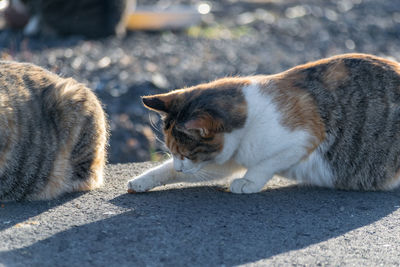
x=21 y=211
x=202 y=226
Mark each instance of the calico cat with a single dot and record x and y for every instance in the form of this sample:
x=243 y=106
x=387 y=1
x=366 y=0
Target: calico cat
x=53 y=134
x=333 y=123
x=91 y=18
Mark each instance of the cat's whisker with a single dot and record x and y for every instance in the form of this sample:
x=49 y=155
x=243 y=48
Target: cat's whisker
x=153 y=124
x=208 y=176
x=161 y=142
x=156 y=129
x=210 y=173
x=209 y=179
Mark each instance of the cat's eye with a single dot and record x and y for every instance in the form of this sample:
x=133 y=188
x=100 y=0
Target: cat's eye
x=187 y=157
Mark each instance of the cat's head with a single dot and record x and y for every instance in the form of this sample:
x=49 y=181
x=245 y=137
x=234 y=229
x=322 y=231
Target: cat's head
x=196 y=119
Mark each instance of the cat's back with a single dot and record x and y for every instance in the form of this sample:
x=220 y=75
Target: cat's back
x=53 y=134
x=345 y=73
x=348 y=87
x=22 y=79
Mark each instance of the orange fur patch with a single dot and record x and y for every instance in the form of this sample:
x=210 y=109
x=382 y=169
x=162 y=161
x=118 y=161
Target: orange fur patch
x=335 y=75
x=296 y=105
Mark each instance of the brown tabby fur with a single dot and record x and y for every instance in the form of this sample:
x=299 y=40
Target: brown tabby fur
x=53 y=134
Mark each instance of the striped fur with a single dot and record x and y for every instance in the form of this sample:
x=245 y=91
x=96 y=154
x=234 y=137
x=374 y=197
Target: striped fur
x=334 y=122
x=53 y=134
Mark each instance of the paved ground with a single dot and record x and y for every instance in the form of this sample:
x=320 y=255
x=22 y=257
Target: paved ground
x=201 y=226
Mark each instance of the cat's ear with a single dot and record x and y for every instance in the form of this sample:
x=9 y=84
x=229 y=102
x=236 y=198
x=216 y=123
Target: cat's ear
x=159 y=103
x=204 y=126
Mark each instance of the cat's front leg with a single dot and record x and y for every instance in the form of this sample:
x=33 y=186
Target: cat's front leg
x=253 y=181
x=166 y=174
x=258 y=175
x=154 y=177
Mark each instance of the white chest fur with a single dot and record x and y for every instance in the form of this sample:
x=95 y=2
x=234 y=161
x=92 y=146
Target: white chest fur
x=263 y=135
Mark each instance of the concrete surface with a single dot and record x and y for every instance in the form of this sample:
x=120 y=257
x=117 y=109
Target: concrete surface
x=200 y=226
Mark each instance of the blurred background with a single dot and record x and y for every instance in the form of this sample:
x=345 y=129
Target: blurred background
x=177 y=43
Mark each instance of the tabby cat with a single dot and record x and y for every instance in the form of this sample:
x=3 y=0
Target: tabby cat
x=53 y=134
x=333 y=123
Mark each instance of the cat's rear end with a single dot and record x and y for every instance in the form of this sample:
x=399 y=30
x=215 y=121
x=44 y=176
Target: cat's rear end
x=53 y=134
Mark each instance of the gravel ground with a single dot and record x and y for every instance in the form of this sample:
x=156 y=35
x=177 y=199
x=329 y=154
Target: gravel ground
x=237 y=38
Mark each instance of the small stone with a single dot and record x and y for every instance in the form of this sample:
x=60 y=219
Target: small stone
x=246 y=18
x=76 y=63
x=331 y=15
x=295 y=12
x=350 y=44
x=68 y=53
x=150 y=66
x=160 y=81
x=104 y=62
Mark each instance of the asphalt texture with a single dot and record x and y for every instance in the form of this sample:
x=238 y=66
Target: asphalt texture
x=198 y=225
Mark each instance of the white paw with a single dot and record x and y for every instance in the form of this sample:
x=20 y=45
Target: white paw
x=139 y=184
x=242 y=185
